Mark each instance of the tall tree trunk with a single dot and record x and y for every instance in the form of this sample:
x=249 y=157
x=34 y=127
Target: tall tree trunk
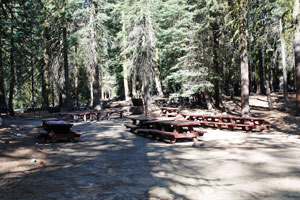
x=155 y=67
x=125 y=67
x=95 y=66
x=2 y=84
x=297 y=53
x=75 y=74
x=12 y=67
x=157 y=77
x=146 y=83
x=91 y=80
x=66 y=65
x=262 y=89
x=208 y=99
x=32 y=71
x=216 y=64
x=45 y=71
x=134 y=84
x=283 y=57
x=53 y=94
x=96 y=88
x=44 y=85
x=244 y=78
x=267 y=84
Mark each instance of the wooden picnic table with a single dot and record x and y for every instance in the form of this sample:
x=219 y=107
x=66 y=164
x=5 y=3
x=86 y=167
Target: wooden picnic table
x=108 y=113
x=215 y=120
x=168 y=111
x=91 y=113
x=58 y=129
x=171 y=129
x=230 y=122
x=250 y=123
x=138 y=122
x=85 y=115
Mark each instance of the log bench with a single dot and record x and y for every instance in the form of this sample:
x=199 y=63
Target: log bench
x=200 y=133
x=229 y=126
x=163 y=134
x=107 y=114
x=157 y=133
x=263 y=127
x=245 y=127
x=77 y=133
x=132 y=127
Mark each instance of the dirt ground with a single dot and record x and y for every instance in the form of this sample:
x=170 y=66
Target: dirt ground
x=108 y=162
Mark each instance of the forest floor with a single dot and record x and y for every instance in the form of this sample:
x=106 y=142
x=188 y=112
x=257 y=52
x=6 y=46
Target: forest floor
x=108 y=162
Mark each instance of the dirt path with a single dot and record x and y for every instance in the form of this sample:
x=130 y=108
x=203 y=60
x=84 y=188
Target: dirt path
x=110 y=163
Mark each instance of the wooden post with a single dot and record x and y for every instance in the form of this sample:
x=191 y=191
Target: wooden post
x=146 y=110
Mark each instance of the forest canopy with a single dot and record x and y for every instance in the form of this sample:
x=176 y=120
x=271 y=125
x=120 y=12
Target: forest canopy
x=77 y=52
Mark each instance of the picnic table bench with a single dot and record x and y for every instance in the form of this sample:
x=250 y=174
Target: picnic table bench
x=92 y=114
x=227 y=121
x=205 y=120
x=171 y=130
x=250 y=123
x=108 y=113
x=138 y=122
x=54 y=130
x=168 y=111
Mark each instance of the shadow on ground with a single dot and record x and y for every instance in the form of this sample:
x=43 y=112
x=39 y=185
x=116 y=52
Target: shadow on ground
x=110 y=163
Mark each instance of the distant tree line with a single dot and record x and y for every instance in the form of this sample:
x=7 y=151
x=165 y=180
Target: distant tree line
x=75 y=52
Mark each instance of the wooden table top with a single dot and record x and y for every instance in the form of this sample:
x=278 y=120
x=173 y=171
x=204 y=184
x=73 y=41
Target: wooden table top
x=50 y=119
x=221 y=116
x=58 y=123
x=168 y=108
x=141 y=118
x=178 y=123
x=248 y=118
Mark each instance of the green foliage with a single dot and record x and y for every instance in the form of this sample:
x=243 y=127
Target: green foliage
x=183 y=39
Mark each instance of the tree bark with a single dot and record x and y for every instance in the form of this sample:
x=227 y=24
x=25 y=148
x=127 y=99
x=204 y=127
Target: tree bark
x=12 y=68
x=267 y=86
x=2 y=84
x=75 y=74
x=297 y=54
x=66 y=65
x=216 y=64
x=283 y=57
x=157 y=77
x=208 y=99
x=95 y=66
x=45 y=71
x=146 y=83
x=261 y=72
x=244 y=78
x=134 y=84
x=125 y=67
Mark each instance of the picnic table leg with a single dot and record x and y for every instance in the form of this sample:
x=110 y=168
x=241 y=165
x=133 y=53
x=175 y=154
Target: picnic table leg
x=108 y=116
x=84 y=117
x=195 y=140
x=98 y=116
x=91 y=116
x=173 y=140
x=75 y=117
